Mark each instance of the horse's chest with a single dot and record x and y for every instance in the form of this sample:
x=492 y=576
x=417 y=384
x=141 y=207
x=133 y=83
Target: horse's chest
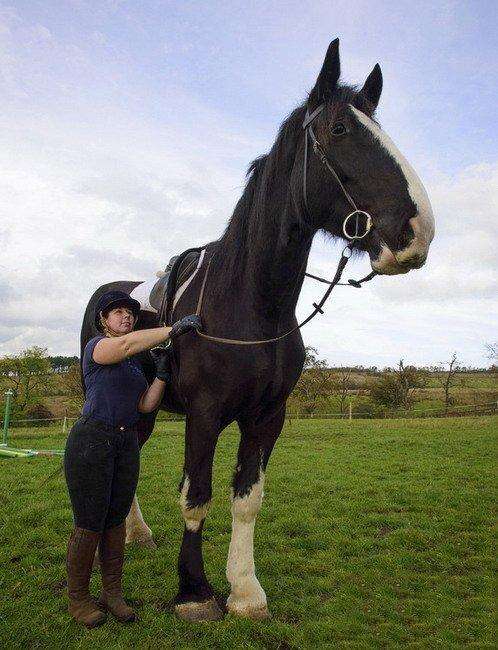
x=240 y=376
x=259 y=373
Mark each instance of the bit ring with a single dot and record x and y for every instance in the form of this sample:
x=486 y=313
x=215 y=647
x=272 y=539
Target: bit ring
x=359 y=214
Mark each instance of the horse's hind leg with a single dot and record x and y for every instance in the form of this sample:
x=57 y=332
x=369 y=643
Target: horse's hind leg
x=247 y=597
x=137 y=530
x=195 y=599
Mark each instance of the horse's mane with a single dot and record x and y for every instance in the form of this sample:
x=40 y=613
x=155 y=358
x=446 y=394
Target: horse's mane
x=250 y=220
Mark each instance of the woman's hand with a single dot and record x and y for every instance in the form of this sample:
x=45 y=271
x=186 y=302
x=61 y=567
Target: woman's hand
x=162 y=361
x=152 y=398
x=186 y=324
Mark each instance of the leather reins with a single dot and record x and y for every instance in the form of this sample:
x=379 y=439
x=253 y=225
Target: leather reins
x=356 y=214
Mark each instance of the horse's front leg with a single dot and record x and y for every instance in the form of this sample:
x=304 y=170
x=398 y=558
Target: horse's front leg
x=195 y=599
x=247 y=597
x=137 y=530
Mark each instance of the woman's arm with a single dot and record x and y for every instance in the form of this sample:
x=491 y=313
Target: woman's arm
x=118 y=348
x=152 y=397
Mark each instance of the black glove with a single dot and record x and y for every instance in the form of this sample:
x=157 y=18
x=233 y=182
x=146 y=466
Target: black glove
x=162 y=360
x=184 y=325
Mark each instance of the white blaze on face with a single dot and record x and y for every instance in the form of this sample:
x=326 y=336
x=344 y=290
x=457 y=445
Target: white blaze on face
x=423 y=222
x=247 y=596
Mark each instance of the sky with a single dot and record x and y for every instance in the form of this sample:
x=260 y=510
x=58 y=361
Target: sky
x=126 y=129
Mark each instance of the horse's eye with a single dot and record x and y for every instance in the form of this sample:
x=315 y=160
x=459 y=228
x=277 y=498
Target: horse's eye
x=338 y=129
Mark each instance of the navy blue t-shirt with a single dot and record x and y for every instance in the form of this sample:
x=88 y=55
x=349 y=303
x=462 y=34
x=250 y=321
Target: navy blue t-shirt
x=112 y=390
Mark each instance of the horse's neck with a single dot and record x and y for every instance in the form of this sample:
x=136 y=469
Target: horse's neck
x=279 y=276
x=273 y=264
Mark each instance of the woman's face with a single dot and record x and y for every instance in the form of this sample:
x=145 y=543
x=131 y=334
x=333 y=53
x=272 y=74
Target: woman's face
x=120 y=320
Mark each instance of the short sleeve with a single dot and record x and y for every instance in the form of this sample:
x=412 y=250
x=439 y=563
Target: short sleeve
x=88 y=363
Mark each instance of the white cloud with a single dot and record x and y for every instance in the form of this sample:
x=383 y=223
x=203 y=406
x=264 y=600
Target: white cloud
x=78 y=215
x=76 y=219
x=449 y=304
x=99 y=182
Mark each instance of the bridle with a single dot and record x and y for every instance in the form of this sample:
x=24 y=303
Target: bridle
x=356 y=214
x=356 y=217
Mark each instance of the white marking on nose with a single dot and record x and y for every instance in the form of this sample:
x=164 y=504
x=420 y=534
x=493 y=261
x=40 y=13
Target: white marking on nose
x=425 y=216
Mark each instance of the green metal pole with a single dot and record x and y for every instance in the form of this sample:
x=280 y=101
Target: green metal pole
x=6 y=417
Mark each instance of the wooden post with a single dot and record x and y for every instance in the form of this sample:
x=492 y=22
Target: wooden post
x=6 y=417
x=350 y=409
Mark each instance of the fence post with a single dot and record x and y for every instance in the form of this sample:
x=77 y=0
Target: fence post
x=6 y=417
x=64 y=425
x=350 y=410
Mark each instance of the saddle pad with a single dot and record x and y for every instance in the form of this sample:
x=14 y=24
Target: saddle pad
x=142 y=293
x=157 y=292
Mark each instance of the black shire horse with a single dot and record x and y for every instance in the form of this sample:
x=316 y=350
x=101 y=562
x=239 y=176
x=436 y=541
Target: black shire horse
x=256 y=272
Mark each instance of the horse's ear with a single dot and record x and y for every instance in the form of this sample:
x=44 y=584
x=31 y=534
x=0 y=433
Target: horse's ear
x=328 y=77
x=372 y=87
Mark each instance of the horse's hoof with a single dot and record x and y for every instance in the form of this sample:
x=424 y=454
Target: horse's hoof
x=142 y=542
x=194 y=612
x=248 y=609
x=253 y=613
x=146 y=542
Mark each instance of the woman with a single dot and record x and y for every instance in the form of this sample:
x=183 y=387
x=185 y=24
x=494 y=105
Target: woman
x=101 y=461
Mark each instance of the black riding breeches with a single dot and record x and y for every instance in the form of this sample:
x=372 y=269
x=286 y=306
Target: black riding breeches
x=101 y=467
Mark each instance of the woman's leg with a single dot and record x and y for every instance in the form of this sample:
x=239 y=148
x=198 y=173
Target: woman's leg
x=125 y=479
x=88 y=465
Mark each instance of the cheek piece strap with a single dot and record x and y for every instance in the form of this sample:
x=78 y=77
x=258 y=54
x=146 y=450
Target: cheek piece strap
x=358 y=223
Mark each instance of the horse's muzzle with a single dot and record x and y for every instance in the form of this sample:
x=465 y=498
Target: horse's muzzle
x=413 y=256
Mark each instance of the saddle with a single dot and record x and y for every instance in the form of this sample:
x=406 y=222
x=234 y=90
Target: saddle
x=162 y=294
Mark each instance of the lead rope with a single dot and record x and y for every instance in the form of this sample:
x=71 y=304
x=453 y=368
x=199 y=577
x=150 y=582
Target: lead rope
x=318 y=307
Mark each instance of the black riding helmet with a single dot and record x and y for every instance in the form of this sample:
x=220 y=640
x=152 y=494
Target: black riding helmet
x=112 y=299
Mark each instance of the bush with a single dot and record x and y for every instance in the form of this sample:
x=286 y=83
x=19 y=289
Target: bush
x=394 y=388
x=39 y=411
x=385 y=391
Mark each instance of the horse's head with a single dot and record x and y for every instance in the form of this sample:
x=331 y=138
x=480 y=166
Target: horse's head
x=373 y=172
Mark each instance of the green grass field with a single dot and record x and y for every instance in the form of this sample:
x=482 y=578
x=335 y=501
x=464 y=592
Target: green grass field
x=373 y=534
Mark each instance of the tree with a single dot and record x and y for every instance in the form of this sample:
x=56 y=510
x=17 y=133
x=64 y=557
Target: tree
x=62 y=364
x=446 y=377
x=492 y=350
x=72 y=381
x=316 y=380
x=342 y=384
x=27 y=374
x=395 y=386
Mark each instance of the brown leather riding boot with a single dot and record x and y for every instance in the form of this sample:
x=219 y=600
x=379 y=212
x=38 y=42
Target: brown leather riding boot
x=79 y=560
x=111 y=552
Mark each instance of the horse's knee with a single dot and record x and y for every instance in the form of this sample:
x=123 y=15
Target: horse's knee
x=245 y=507
x=194 y=512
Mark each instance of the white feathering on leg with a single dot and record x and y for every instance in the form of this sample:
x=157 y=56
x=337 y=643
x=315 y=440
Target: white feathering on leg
x=247 y=597
x=136 y=528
